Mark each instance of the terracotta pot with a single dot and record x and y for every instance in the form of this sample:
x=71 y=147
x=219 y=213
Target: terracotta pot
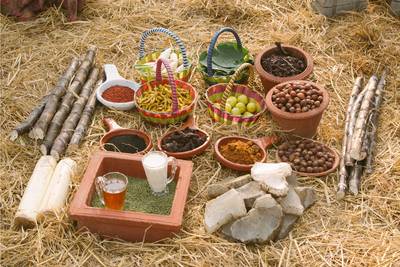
x=268 y=80
x=318 y=174
x=115 y=130
x=190 y=123
x=262 y=143
x=127 y=225
x=302 y=124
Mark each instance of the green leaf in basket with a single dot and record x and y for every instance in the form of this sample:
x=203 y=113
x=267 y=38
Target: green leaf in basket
x=226 y=58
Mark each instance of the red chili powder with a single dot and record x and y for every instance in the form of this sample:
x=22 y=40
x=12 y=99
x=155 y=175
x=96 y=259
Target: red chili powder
x=118 y=94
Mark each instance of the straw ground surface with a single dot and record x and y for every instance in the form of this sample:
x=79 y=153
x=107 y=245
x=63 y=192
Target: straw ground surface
x=359 y=231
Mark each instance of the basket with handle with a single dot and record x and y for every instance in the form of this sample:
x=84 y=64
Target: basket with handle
x=219 y=93
x=219 y=75
x=177 y=114
x=146 y=71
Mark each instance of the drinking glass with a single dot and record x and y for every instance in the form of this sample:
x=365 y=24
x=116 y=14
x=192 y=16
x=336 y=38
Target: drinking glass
x=111 y=188
x=155 y=164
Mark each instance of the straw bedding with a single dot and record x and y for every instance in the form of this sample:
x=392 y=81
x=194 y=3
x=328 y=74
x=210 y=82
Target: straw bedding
x=359 y=231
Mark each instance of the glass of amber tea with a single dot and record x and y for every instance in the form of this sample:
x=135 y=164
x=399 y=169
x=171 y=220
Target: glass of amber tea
x=111 y=188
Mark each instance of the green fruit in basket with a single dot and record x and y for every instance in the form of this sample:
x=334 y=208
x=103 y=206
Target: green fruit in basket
x=258 y=107
x=228 y=107
x=247 y=114
x=236 y=111
x=243 y=99
x=231 y=101
x=251 y=107
x=241 y=107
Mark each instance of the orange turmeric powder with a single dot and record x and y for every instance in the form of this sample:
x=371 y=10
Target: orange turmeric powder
x=241 y=152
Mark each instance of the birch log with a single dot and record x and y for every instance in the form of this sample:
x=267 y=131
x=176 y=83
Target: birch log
x=57 y=191
x=62 y=140
x=343 y=172
x=374 y=122
x=34 y=192
x=83 y=123
x=356 y=148
x=40 y=127
x=28 y=123
x=69 y=98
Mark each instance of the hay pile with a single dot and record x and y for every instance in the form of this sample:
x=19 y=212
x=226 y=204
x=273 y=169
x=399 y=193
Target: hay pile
x=359 y=231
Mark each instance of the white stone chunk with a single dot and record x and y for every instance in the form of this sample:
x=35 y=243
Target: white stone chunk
x=265 y=201
x=291 y=203
x=307 y=196
x=272 y=176
x=223 y=209
x=250 y=192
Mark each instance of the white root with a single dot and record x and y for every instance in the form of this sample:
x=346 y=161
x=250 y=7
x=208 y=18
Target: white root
x=343 y=172
x=34 y=192
x=57 y=191
x=356 y=148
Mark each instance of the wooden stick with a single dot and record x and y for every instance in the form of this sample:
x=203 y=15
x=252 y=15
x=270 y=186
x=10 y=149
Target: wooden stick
x=348 y=161
x=343 y=173
x=84 y=121
x=68 y=100
x=374 y=122
x=356 y=148
x=355 y=177
x=62 y=140
x=28 y=123
x=41 y=125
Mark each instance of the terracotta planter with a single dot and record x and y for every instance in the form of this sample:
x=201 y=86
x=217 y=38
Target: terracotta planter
x=262 y=143
x=303 y=124
x=268 y=80
x=127 y=225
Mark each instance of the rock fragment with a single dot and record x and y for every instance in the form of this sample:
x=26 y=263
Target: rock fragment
x=223 y=209
x=272 y=177
x=258 y=226
x=307 y=196
x=291 y=203
x=250 y=192
x=218 y=189
x=265 y=201
x=287 y=224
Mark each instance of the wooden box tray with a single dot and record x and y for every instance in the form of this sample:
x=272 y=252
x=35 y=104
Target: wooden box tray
x=127 y=225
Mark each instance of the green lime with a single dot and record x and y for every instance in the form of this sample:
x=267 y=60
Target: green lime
x=236 y=111
x=251 y=107
x=228 y=107
x=231 y=101
x=241 y=107
x=243 y=99
x=247 y=114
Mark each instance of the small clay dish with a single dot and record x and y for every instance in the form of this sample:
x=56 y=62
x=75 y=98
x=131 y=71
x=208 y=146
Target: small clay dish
x=317 y=174
x=262 y=143
x=190 y=123
x=115 y=130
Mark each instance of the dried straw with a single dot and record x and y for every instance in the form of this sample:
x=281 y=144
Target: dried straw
x=360 y=231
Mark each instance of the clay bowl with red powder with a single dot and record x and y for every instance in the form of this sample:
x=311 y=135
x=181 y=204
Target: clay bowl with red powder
x=262 y=144
x=116 y=92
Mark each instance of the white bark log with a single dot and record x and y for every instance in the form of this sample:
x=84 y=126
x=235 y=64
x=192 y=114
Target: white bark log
x=356 y=149
x=58 y=188
x=34 y=192
x=343 y=173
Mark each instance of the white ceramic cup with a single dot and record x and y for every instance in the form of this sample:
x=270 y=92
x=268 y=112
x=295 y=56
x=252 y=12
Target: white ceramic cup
x=155 y=164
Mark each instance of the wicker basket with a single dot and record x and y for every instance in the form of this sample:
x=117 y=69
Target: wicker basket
x=219 y=93
x=209 y=77
x=146 y=72
x=176 y=115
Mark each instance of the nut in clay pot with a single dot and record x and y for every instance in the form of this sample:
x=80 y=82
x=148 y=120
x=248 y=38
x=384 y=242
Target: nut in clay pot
x=268 y=80
x=302 y=124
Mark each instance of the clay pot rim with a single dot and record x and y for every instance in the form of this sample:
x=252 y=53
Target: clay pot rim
x=276 y=79
x=233 y=165
x=317 y=174
x=185 y=154
x=297 y=116
x=124 y=131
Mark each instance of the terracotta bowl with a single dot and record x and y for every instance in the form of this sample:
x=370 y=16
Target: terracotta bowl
x=302 y=124
x=186 y=154
x=268 y=80
x=115 y=130
x=262 y=143
x=318 y=174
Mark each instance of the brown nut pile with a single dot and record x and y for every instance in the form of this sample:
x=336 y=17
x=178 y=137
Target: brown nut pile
x=306 y=156
x=297 y=97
